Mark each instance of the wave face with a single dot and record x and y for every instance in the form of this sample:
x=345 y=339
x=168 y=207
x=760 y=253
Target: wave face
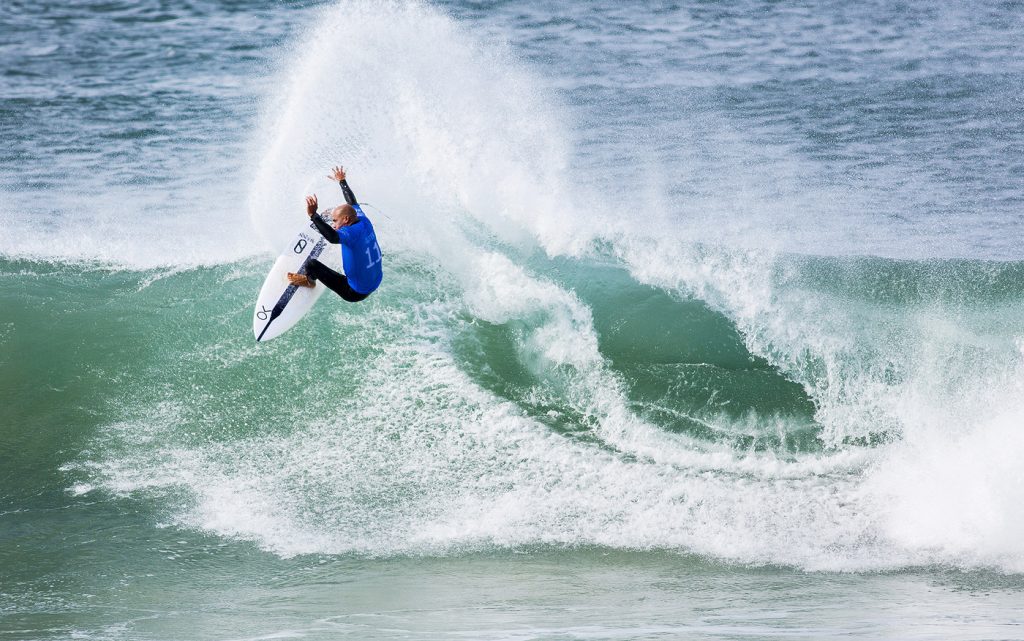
x=560 y=356
x=873 y=429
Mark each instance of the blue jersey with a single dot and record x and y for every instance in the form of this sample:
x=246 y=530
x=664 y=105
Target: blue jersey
x=360 y=254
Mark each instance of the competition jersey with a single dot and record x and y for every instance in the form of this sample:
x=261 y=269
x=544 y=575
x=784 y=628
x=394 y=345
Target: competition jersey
x=360 y=254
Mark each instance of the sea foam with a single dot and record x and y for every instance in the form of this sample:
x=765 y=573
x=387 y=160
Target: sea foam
x=469 y=160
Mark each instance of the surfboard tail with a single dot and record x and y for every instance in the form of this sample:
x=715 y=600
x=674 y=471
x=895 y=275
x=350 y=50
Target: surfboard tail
x=272 y=314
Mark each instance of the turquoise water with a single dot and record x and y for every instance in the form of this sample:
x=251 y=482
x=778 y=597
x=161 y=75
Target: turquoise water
x=699 y=321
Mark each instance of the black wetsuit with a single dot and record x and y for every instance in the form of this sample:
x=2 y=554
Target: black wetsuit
x=316 y=270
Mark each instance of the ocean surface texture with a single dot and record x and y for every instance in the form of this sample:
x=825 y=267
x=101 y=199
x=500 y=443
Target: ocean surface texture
x=700 y=321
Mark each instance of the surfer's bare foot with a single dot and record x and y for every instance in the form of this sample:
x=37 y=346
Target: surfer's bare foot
x=300 y=279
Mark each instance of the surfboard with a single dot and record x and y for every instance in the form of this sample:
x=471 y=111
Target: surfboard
x=280 y=304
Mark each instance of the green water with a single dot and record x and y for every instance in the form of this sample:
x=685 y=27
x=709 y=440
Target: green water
x=103 y=369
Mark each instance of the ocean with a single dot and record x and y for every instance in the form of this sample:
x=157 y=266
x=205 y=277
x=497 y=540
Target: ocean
x=700 y=320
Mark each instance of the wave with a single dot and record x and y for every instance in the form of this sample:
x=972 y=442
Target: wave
x=544 y=370
x=449 y=421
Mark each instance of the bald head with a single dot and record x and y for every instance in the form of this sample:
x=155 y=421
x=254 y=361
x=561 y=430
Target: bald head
x=343 y=216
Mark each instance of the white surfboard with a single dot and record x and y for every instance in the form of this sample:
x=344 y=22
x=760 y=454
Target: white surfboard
x=280 y=304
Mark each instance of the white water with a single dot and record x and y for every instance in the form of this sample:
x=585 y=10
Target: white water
x=459 y=144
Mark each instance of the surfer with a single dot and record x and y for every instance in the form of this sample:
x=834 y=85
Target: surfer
x=360 y=254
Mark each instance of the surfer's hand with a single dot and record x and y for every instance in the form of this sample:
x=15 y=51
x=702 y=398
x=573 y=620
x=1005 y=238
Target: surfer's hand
x=311 y=205
x=338 y=174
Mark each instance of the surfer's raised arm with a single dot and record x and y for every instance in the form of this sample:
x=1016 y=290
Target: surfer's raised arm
x=329 y=233
x=339 y=175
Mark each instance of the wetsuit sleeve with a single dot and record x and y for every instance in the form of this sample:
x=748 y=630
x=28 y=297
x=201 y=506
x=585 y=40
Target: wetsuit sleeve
x=350 y=198
x=329 y=233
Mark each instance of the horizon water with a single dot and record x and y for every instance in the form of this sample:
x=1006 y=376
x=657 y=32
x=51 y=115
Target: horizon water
x=699 y=321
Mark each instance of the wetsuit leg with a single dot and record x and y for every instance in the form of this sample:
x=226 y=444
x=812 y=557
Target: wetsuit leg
x=337 y=283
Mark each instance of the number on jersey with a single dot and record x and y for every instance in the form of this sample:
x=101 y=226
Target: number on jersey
x=370 y=251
